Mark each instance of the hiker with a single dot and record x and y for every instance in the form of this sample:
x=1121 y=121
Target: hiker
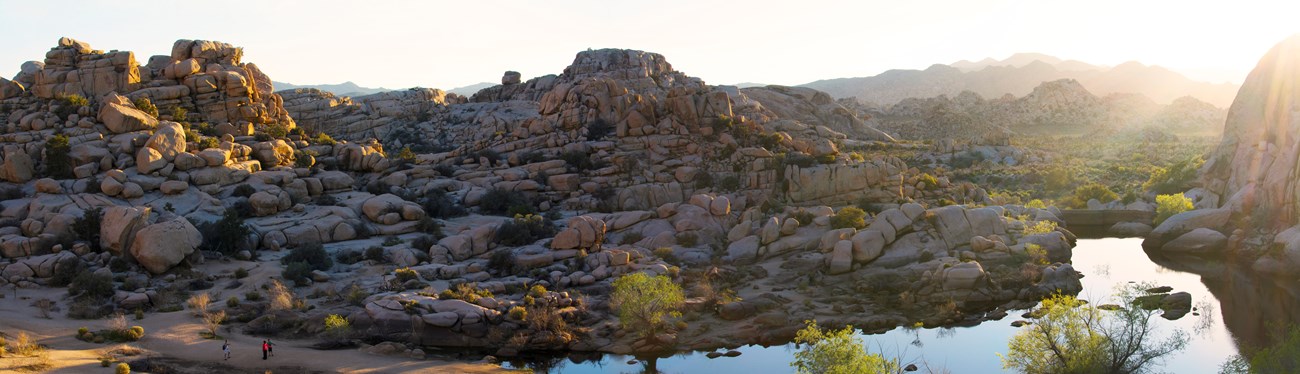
x=225 y=347
x=264 y=349
x=270 y=347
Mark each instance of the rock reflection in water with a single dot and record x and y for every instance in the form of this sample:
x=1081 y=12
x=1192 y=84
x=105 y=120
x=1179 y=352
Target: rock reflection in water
x=1255 y=308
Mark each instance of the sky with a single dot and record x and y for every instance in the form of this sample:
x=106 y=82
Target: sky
x=448 y=44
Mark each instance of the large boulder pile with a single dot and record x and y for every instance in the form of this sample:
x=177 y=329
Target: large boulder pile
x=1248 y=202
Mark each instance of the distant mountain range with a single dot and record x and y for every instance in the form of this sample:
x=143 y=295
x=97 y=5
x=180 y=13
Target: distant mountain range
x=1019 y=74
x=353 y=90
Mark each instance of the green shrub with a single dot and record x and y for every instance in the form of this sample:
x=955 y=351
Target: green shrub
x=323 y=138
x=729 y=183
x=58 y=164
x=498 y=201
x=122 y=368
x=208 y=142
x=276 y=131
x=232 y=302
x=581 y=161
x=374 y=253
x=87 y=227
x=312 y=254
x=847 y=217
x=253 y=296
x=1040 y=227
x=688 y=239
x=524 y=229
x=243 y=190
x=537 y=291
x=1169 y=205
x=179 y=114
x=928 y=181
x=226 y=235
x=241 y=273
x=518 y=313
x=1091 y=191
x=69 y=104
x=90 y=285
x=1036 y=204
x=337 y=326
x=298 y=272
x=1175 y=179
x=803 y=216
x=144 y=105
x=405 y=274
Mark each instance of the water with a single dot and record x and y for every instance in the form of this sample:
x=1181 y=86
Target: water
x=1254 y=307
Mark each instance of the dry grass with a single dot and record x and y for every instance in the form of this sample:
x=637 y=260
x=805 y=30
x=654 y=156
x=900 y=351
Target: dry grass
x=199 y=304
x=25 y=354
x=280 y=296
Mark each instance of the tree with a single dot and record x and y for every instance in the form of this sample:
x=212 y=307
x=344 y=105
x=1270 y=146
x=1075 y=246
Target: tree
x=213 y=321
x=836 y=352
x=1071 y=336
x=644 y=302
x=57 y=163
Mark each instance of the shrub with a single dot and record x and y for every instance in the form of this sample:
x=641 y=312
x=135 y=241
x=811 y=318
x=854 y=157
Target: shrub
x=232 y=302
x=253 y=296
x=665 y=253
x=803 y=216
x=518 y=313
x=1176 y=179
x=1036 y=204
x=276 y=131
x=69 y=104
x=1169 y=205
x=729 y=183
x=703 y=180
x=847 y=217
x=631 y=238
x=179 y=114
x=241 y=273
x=337 y=326
x=464 y=292
x=580 y=161
x=928 y=181
x=502 y=261
x=524 y=229
x=144 y=105
x=537 y=291
x=644 y=303
x=405 y=274
x=392 y=241
x=1091 y=191
x=375 y=253
x=1040 y=227
x=199 y=303
x=208 y=142
x=323 y=138
x=226 y=235
x=800 y=160
x=297 y=272
x=58 y=164
x=122 y=368
x=498 y=201
x=437 y=204
x=312 y=254
x=87 y=227
x=243 y=190
x=687 y=239
x=599 y=129
x=90 y=285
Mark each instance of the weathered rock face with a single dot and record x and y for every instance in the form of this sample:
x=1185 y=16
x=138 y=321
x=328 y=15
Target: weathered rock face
x=160 y=246
x=73 y=67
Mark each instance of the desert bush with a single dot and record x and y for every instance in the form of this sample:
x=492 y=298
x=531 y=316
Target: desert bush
x=498 y=201
x=69 y=104
x=198 y=303
x=275 y=131
x=405 y=274
x=232 y=302
x=89 y=285
x=524 y=229
x=464 y=292
x=323 y=138
x=179 y=114
x=208 y=142
x=1169 y=205
x=312 y=254
x=298 y=272
x=599 y=129
x=146 y=105
x=280 y=296
x=1091 y=191
x=502 y=261
x=374 y=253
x=122 y=368
x=243 y=190
x=213 y=321
x=729 y=183
x=644 y=303
x=225 y=235
x=688 y=239
x=803 y=216
x=336 y=326
x=58 y=164
x=1040 y=227
x=1174 y=179
x=928 y=181
x=579 y=161
x=240 y=273
x=517 y=313
x=437 y=204
x=849 y=216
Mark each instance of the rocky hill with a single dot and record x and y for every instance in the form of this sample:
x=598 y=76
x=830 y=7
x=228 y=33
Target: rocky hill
x=1019 y=76
x=432 y=219
x=1056 y=107
x=1246 y=207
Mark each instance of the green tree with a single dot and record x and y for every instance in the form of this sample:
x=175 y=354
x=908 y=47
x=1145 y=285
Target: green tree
x=835 y=352
x=1282 y=357
x=645 y=303
x=1071 y=336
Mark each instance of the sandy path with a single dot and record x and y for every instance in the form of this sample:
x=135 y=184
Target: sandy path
x=176 y=335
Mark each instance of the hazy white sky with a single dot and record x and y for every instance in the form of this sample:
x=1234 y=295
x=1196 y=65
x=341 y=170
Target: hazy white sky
x=447 y=44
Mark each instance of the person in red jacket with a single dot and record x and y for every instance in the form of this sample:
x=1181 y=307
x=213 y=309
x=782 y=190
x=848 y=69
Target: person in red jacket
x=264 y=348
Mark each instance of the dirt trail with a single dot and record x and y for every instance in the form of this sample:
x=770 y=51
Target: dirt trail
x=176 y=336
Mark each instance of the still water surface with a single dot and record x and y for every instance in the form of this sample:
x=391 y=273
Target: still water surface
x=1253 y=307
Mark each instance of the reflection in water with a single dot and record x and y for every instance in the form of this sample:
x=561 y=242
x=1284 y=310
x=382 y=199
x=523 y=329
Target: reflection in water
x=1246 y=310
x=1255 y=308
